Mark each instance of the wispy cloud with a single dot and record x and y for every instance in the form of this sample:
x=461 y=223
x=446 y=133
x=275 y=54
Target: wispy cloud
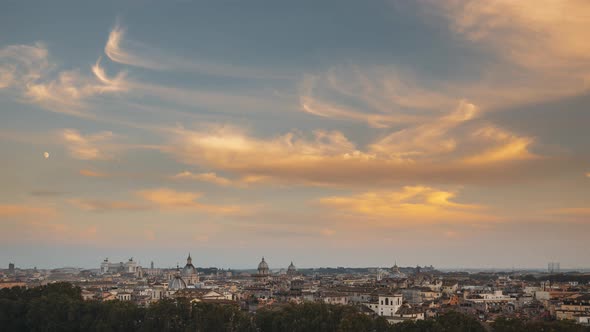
x=169 y=199
x=99 y=205
x=87 y=147
x=565 y=214
x=210 y=177
x=446 y=148
x=47 y=193
x=164 y=199
x=29 y=72
x=411 y=204
x=540 y=44
x=133 y=53
x=386 y=96
x=26 y=211
x=91 y=173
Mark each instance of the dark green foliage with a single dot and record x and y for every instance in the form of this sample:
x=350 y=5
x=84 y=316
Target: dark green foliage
x=448 y=322
x=311 y=317
x=59 y=307
x=516 y=325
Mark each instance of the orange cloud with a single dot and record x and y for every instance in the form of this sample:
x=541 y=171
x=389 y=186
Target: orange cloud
x=28 y=69
x=205 y=177
x=542 y=44
x=106 y=205
x=533 y=33
x=18 y=210
x=87 y=147
x=571 y=212
x=90 y=173
x=411 y=204
x=444 y=149
x=508 y=147
x=385 y=93
x=169 y=199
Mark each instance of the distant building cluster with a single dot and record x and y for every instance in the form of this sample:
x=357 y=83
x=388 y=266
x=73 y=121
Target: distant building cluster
x=397 y=293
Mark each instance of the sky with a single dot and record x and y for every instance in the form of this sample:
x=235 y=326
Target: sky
x=327 y=133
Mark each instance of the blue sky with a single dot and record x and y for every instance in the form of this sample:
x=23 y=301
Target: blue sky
x=451 y=133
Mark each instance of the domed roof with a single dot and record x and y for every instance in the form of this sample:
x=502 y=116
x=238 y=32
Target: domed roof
x=189 y=269
x=177 y=283
x=263 y=267
x=291 y=267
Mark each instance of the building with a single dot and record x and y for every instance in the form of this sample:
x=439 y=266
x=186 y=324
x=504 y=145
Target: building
x=128 y=267
x=176 y=283
x=189 y=272
x=396 y=273
x=291 y=270
x=387 y=304
x=263 y=269
x=573 y=307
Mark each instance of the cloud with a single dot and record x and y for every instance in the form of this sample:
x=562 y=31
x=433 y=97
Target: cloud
x=426 y=139
x=46 y=193
x=540 y=34
x=205 y=177
x=451 y=148
x=28 y=71
x=385 y=95
x=99 y=205
x=411 y=204
x=87 y=147
x=571 y=212
x=327 y=232
x=169 y=199
x=26 y=211
x=540 y=46
x=114 y=51
x=535 y=51
x=508 y=147
x=93 y=174
x=137 y=54
x=20 y=64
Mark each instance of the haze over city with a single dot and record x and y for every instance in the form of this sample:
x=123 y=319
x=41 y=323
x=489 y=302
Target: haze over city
x=328 y=133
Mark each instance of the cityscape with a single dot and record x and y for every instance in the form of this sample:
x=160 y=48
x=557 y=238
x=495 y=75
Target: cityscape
x=397 y=294
x=298 y=166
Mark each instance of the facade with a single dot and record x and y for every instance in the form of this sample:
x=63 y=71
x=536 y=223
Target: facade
x=291 y=270
x=574 y=307
x=189 y=272
x=128 y=267
x=263 y=269
x=176 y=283
x=387 y=304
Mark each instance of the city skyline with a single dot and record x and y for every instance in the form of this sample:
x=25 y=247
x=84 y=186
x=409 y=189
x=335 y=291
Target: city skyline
x=341 y=133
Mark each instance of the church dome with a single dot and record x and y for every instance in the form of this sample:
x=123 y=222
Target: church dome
x=291 y=269
x=189 y=269
x=177 y=283
x=263 y=267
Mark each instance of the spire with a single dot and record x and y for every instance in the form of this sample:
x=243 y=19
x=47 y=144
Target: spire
x=189 y=260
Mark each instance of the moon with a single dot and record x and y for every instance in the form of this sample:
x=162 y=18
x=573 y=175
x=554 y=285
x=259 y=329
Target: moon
x=46 y=155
